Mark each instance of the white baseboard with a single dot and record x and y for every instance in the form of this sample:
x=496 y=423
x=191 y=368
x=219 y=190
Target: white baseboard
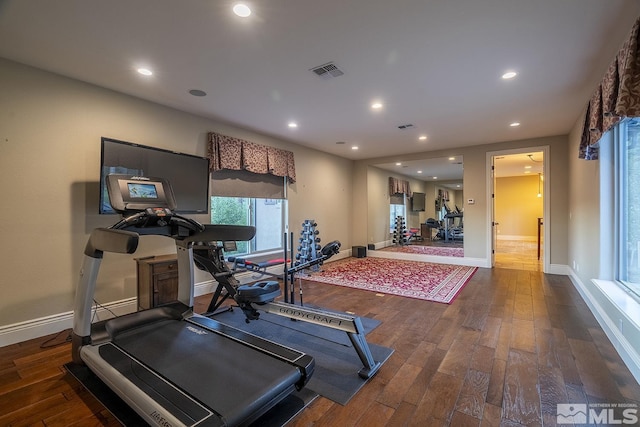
x=340 y=255
x=467 y=261
x=517 y=238
x=35 y=328
x=625 y=349
x=383 y=244
x=561 y=269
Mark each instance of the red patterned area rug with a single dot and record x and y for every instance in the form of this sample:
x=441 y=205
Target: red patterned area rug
x=426 y=250
x=413 y=279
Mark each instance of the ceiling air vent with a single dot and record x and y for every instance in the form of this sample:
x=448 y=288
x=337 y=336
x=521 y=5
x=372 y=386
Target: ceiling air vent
x=407 y=126
x=328 y=71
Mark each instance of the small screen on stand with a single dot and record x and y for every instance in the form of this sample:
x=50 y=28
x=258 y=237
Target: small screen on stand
x=142 y=191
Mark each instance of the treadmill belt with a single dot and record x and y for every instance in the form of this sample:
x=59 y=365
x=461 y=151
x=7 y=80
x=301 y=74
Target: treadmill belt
x=171 y=399
x=232 y=379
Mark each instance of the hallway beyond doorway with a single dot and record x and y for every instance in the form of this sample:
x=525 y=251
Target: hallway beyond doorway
x=518 y=254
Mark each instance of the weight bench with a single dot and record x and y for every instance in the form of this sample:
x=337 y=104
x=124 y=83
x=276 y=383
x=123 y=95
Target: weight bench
x=412 y=234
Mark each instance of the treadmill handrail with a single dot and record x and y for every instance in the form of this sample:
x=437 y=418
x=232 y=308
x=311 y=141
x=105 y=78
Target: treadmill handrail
x=222 y=233
x=110 y=240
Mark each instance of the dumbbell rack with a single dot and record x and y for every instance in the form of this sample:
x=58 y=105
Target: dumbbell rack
x=400 y=231
x=309 y=244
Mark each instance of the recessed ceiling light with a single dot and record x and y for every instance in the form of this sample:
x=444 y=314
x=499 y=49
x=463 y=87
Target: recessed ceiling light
x=145 y=71
x=527 y=171
x=452 y=158
x=527 y=167
x=435 y=177
x=340 y=143
x=292 y=125
x=398 y=164
x=355 y=147
x=515 y=124
x=419 y=171
x=242 y=10
x=422 y=137
x=376 y=105
x=197 y=92
x=509 y=75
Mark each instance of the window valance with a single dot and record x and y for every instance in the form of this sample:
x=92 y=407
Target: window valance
x=617 y=97
x=398 y=186
x=229 y=153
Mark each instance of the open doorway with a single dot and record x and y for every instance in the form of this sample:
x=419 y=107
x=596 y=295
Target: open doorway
x=518 y=210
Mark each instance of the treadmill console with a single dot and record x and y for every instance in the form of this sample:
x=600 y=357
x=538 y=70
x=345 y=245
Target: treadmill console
x=138 y=193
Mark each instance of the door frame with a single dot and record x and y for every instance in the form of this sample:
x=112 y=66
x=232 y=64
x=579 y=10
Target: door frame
x=546 y=205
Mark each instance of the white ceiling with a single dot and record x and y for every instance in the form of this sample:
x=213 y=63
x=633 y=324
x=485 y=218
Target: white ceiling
x=434 y=64
x=519 y=164
x=446 y=170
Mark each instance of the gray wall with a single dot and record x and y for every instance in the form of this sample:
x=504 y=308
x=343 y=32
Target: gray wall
x=584 y=213
x=49 y=170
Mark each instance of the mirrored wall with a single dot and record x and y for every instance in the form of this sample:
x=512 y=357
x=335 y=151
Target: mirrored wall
x=433 y=213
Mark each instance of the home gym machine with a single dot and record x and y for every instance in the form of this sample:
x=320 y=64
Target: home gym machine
x=261 y=296
x=174 y=367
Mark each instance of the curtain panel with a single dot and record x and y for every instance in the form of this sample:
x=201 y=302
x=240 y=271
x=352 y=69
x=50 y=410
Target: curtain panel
x=616 y=97
x=398 y=186
x=229 y=153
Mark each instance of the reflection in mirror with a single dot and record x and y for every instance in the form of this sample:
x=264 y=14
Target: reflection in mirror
x=433 y=216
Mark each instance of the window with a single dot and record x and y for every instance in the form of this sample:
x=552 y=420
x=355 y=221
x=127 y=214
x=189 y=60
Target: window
x=396 y=209
x=627 y=178
x=267 y=215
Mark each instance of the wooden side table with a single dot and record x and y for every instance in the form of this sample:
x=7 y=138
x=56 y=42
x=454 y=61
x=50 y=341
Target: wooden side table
x=157 y=280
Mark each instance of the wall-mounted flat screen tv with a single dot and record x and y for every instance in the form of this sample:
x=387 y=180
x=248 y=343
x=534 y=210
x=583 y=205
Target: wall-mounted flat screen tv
x=418 y=202
x=187 y=174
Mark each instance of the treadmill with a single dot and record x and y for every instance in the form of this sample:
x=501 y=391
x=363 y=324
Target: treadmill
x=170 y=365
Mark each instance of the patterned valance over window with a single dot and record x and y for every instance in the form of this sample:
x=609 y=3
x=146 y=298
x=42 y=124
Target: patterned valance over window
x=617 y=97
x=398 y=186
x=228 y=153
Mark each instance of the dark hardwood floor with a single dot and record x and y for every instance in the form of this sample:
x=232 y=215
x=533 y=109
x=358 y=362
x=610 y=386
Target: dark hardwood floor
x=511 y=347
